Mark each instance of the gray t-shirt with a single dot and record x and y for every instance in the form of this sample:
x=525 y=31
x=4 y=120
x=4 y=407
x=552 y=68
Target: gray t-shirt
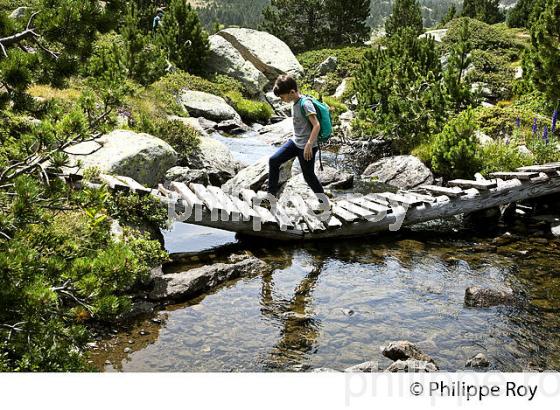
x=302 y=126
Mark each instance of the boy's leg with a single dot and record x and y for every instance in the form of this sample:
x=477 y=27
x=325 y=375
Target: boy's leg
x=308 y=169
x=285 y=153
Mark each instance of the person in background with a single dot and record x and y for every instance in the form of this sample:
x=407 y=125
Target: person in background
x=157 y=19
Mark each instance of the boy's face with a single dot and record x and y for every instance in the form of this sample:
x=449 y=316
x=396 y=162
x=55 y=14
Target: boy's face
x=289 y=97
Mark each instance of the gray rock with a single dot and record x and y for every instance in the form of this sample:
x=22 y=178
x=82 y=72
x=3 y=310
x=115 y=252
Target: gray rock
x=277 y=134
x=476 y=296
x=297 y=186
x=208 y=126
x=139 y=309
x=187 y=176
x=480 y=360
x=329 y=177
x=319 y=84
x=255 y=177
x=366 y=367
x=411 y=366
x=342 y=88
x=215 y=159
x=482 y=138
x=403 y=171
x=232 y=127
x=327 y=66
x=518 y=73
x=324 y=370
x=438 y=35
x=225 y=59
x=280 y=108
x=522 y=149
x=404 y=350
x=270 y=55
x=483 y=89
x=192 y=122
x=19 y=13
x=346 y=120
x=186 y=285
x=142 y=157
x=212 y=107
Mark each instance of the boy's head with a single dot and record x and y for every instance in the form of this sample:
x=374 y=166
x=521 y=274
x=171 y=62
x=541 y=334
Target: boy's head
x=286 y=88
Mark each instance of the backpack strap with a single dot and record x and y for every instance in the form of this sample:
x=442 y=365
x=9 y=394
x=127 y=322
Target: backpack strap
x=301 y=102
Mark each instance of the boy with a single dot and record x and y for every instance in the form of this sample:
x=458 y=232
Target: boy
x=303 y=143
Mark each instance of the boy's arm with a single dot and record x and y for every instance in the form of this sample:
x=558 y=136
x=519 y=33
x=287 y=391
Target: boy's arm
x=308 y=150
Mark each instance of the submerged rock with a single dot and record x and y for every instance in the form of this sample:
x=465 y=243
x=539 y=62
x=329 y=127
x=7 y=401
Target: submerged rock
x=142 y=157
x=480 y=360
x=212 y=107
x=404 y=350
x=476 y=296
x=412 y=366
x=402 y=171
x=366 y=367
x=188 y=284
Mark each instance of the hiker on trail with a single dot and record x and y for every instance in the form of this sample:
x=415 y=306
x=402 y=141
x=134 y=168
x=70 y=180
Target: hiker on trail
x=157 y=19
x=304 y=142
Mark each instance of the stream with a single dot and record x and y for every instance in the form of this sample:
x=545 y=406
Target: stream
x=333 y=304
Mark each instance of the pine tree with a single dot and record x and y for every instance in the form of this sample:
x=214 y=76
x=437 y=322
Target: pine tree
x=182 y=36
x=300 y=24
x=347 y=25
x=524 y=12
x=487 y=11
x=406 y=13
x=450 y=15
x=542 y=64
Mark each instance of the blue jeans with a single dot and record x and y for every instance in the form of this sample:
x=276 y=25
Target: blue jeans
x=285 y=153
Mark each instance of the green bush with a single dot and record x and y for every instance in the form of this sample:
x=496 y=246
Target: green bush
x=455 y=149
x=499 y=156
x=183 y=138
x=482 y=36
x=497 y=122
x=493 y=68
x=250 y=111
x=349 y=59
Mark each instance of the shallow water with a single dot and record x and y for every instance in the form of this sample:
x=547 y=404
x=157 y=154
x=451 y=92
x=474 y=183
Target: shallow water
x=333 y=304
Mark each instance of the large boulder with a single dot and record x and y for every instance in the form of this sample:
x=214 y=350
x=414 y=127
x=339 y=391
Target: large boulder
x=186 y=285
x=402 y=171
x=215 y=159
x=280 y=107
x=225 y=59
x=327 y=66
x=255 y=177
x=187 y=176
x=212 y=107
x=277 y=134
x=142 y=157
x=329 y=177
x=267 y=53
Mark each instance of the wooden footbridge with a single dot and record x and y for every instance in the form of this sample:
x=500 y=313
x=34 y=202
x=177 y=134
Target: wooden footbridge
x=351 y=215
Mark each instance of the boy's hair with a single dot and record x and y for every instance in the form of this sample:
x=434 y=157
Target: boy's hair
x=284 y=84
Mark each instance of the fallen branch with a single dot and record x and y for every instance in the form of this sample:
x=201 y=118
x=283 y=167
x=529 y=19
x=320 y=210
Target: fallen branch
x=27 y=34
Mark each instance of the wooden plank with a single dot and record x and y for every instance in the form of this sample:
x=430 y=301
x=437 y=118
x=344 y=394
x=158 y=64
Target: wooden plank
x=466 y=183
x=247 y=212
x=208 y=199
x=113 y=183
x=248 y=196
x=521 y=175
x=343 y=214
x=315 y=225
x=410 y=201
x=356 y=209
x=333 y=223
x=231 y=209
x=135 y=186
x=546 y=168
x=365 y=202
x=450 y=192
x=377 y=199
x=283 y=219
x=426 y=199
x=265 y=215
x=186 y=194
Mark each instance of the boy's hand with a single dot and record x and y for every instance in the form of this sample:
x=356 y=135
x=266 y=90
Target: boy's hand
x=308 y=152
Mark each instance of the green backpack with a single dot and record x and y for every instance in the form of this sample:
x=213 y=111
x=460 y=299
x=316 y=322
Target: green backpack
x=323 y=116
